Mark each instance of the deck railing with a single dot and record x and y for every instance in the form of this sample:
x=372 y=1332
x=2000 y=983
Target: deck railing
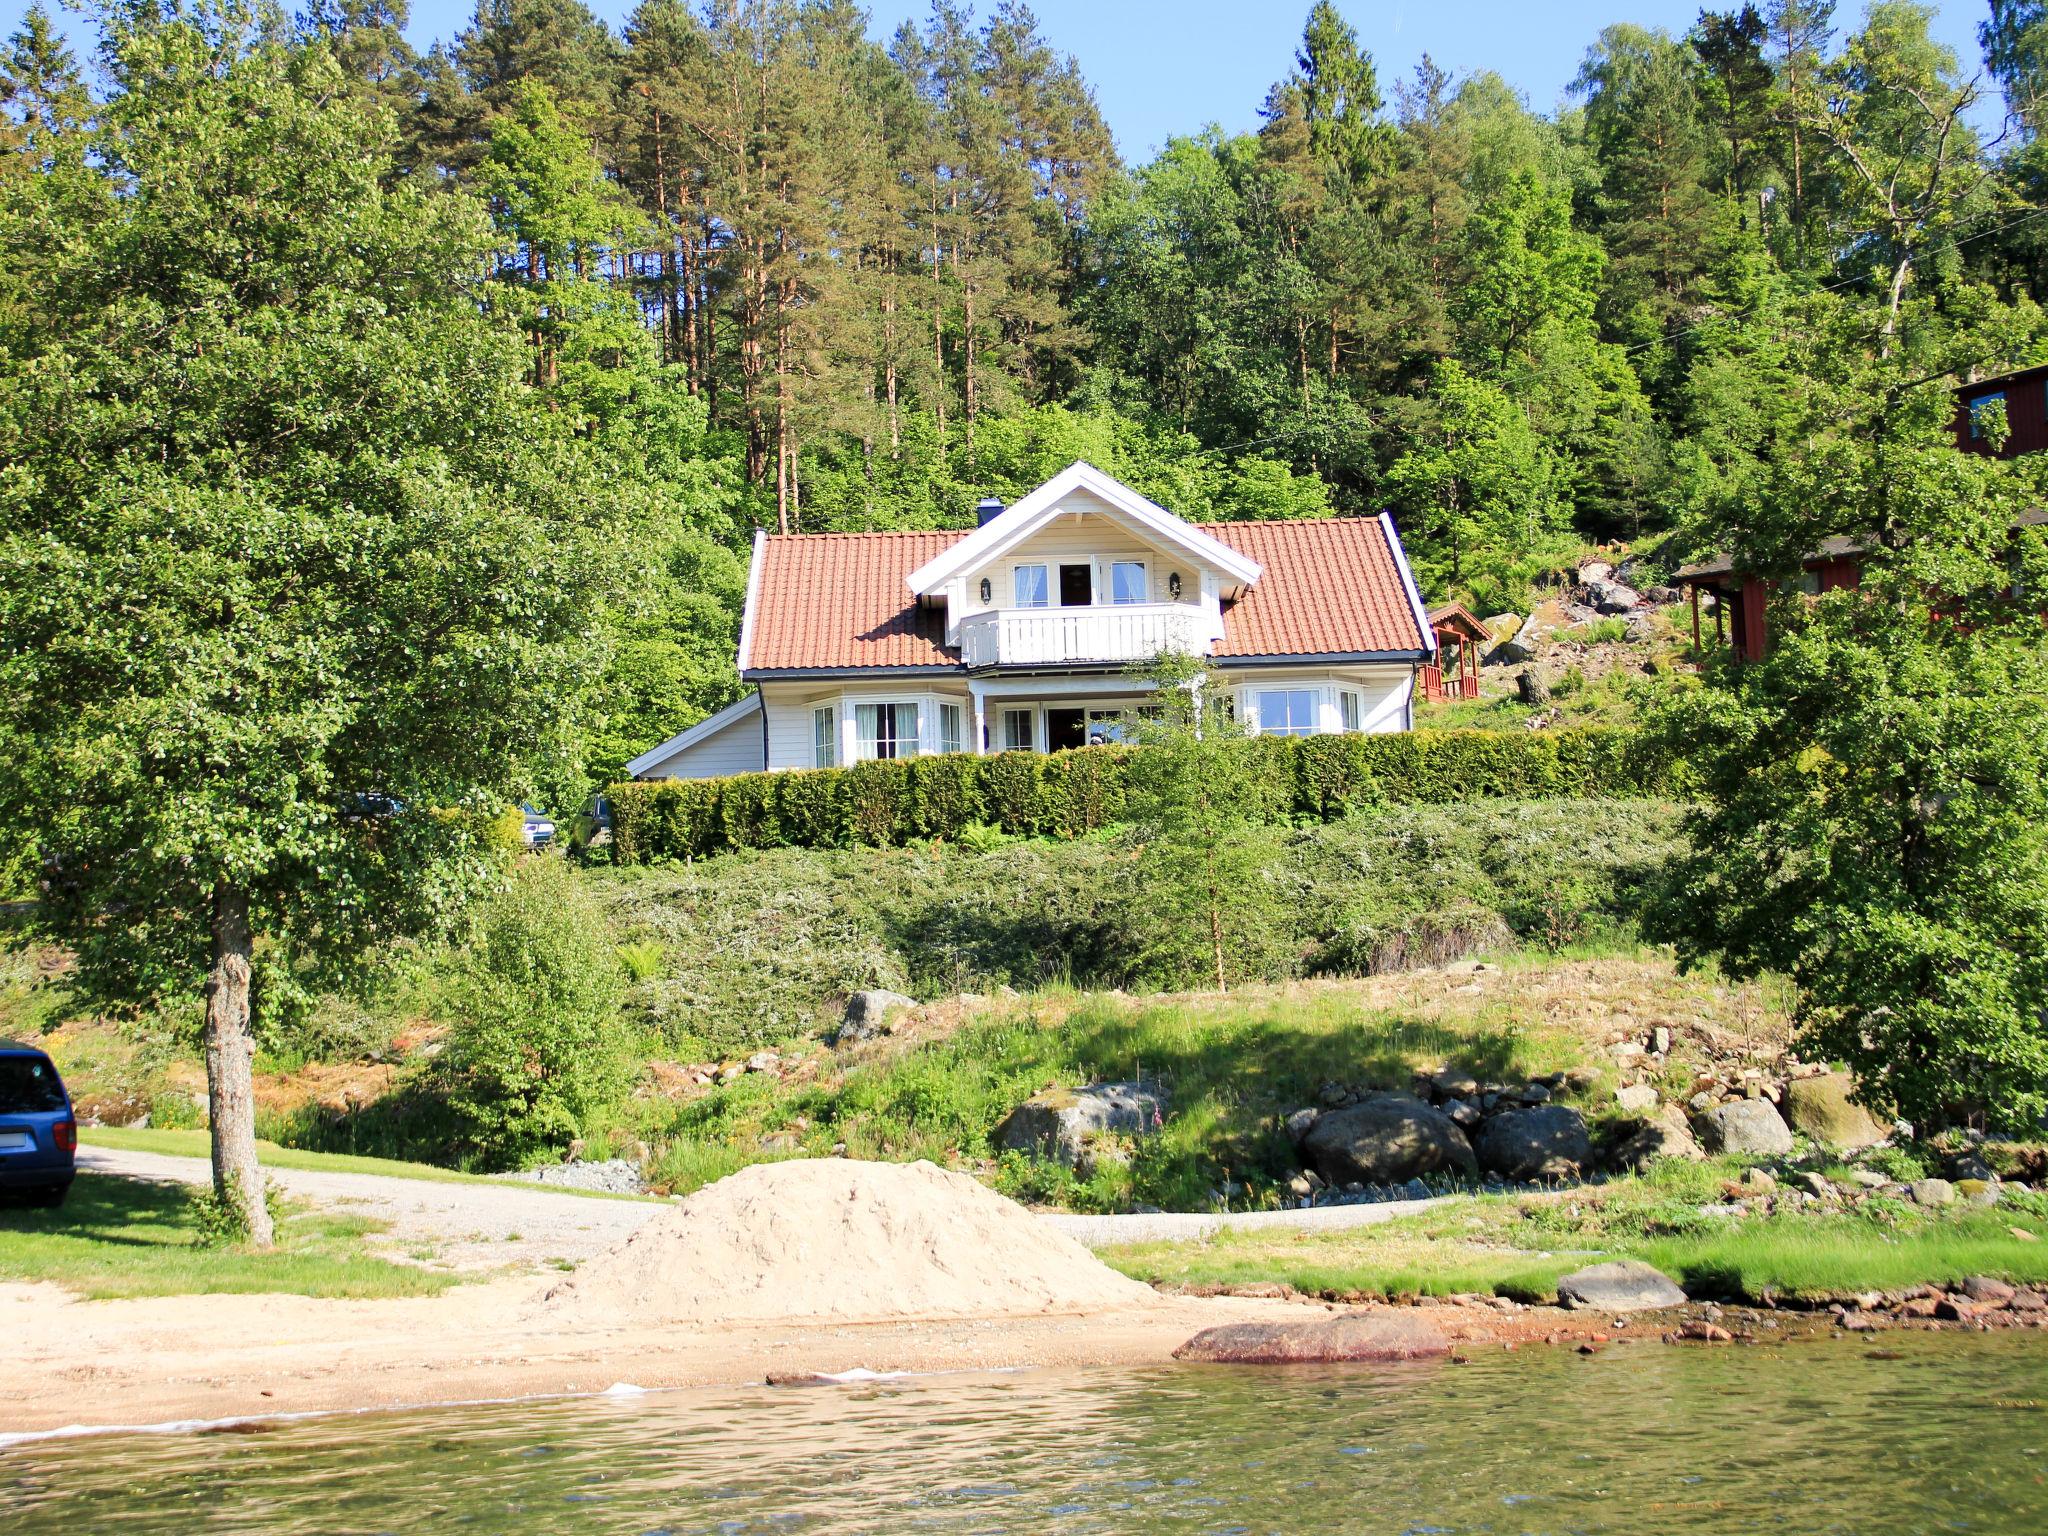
x=1115 y=632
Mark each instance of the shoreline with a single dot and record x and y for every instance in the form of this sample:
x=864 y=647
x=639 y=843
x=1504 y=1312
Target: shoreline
x=209 y=1363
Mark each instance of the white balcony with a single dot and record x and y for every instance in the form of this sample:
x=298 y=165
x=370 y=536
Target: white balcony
x=1107 y=633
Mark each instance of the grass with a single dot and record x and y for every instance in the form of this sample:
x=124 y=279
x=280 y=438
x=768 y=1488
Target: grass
x=180 y=1143
x=1518 y=1246
x=1231 y=1067
x=122 y=1237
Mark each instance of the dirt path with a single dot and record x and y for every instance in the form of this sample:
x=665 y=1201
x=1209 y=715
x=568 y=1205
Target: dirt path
x=459 y=1225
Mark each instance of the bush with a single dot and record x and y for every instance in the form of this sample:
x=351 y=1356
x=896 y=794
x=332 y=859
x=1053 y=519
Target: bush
x=536 y=990
x=1071 y=794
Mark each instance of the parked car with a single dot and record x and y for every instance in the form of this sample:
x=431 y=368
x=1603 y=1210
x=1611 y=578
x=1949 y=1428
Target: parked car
x=38 y=1131
x=536 y=828
x=592 y=828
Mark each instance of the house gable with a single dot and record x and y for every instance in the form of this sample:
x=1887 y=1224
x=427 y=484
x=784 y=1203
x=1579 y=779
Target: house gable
x=1081 y=490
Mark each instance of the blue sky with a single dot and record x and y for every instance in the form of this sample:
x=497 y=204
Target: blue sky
x=1162 y=67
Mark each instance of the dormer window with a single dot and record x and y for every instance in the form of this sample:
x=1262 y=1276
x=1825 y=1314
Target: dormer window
x=1032 y=590
x=1127 y=581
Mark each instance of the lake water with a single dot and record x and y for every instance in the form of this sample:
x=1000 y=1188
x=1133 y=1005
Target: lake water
x=1814 y=1437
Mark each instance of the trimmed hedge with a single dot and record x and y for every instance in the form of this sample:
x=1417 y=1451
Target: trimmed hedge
x=1069 y=794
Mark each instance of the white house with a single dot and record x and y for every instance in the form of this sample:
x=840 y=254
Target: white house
x=1016 y=636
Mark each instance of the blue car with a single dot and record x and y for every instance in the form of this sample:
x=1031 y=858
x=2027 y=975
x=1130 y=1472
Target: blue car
x=38 y=1132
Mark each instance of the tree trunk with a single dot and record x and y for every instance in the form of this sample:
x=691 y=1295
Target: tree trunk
x=230 y=1078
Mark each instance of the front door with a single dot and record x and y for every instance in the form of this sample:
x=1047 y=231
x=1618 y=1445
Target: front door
x=1077 y=586
x=1066 y=729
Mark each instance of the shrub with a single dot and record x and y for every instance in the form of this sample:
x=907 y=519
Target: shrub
x=1071 y=794
x=536 y=995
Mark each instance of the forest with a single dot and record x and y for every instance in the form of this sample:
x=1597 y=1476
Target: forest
x=769 y=272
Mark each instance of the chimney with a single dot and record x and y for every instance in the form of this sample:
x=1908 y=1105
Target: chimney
x=986 y=511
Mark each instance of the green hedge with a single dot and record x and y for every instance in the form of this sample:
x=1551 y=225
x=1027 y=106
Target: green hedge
x=1068 y=794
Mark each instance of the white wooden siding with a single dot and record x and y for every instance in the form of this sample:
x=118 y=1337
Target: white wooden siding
x=734 y=749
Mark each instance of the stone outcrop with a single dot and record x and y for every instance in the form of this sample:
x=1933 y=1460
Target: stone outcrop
x=1746 y=1127
x=868 y=1014
x=1623 y=1285
x=1065 y=1124
x=1311 y=1340
x=1546 y=1142
x=1386 y=1140
x=1820 y=1108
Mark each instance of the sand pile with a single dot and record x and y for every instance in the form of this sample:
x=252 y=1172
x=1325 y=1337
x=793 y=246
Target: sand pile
x=829 y=1238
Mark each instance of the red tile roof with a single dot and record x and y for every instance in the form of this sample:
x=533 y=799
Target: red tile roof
x=1330 y=586
x=829 y=600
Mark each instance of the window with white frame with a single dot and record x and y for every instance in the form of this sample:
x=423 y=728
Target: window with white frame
x=1031 y=588
x=1018 y=735
x=884 y=731
x=1347 y=709
x=1127 y=581
x=825 y=737
x=949 y=728
x=1287 y=711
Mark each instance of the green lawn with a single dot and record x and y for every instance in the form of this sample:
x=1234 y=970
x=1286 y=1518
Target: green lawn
x=123 y=1237
x=194 y=1144
x=1518 y=1246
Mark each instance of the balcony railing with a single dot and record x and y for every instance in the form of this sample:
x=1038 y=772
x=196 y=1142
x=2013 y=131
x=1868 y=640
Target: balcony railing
x=1118 y=632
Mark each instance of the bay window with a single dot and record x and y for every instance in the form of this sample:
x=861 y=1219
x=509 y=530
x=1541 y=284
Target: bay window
x=884 y=731
x=1287 y=711
x=825 y=737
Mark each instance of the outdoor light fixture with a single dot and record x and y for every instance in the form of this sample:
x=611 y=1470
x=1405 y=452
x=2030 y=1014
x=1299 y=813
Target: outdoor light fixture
x=987 y=591
x=1172 y=584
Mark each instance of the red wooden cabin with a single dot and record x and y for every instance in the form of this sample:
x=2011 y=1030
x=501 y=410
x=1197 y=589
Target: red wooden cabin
x=2025 y=394
x=1739 y=599
x=1454 y=672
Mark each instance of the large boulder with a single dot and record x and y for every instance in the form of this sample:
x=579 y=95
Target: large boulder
x=1312 y=1340
x=1062 y=1123
x=1527 y=641
x=1746 y=1128
x=1664 y=1134
x=868 y=1013
x=1623 y=1285
x=1820 y=1108
x=1547 y=1142
x=1387 y=1140
x=1611 y=597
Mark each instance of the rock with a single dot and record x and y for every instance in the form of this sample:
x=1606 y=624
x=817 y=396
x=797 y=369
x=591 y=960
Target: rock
x=1931 y=1192
x=1951 y=1309
x=1348 y=1336
x=1536 y=1093
x=1464 y=1112
x=1611 y=597
x=1451 y=1084
x=1660 y=1040
x=1758 y=1180
x=1637 y=1099
x=1502 y=626
x=1549 y=1142
x=1530 y=687
x=1387 y=1140
x=1061 y=1123
x=1820 y=1108
x=1662 y=596
x=1300 y=1123
x=1747 y=1127
x=1594 y=570
x=1665 y=1134
x=1971 y=1166
x=1864 y=1178
x=2027 y=1301
x=1986 y=1289
x=763 y=1061
x=1703 y=1333
x=867 y=1015
x=1977 y=1192
x=1624 y=1285
x=1527 y=641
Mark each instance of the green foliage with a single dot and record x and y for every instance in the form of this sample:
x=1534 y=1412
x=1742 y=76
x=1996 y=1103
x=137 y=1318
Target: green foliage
x=1073 y=794
x=535 y=1047
x=1874 y=805
x=758 y=945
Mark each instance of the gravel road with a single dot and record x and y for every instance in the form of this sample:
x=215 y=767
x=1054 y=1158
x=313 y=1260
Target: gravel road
x=463 y=1225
